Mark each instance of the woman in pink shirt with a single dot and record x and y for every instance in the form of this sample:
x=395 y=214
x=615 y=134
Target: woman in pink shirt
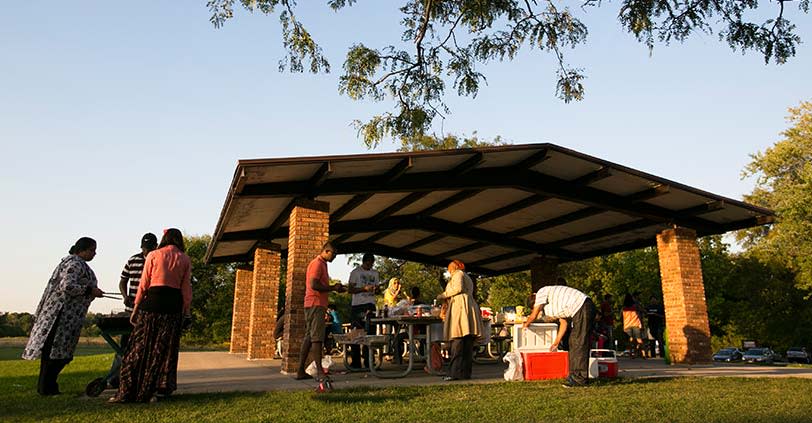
x=163 y=300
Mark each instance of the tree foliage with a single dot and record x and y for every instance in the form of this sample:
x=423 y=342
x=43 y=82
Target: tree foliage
x=16 y=324
x=616 y=274
x=506 y=290
x=444 y=42
x=747 y=297
x=448 y=142
x=784 y=184
x=426 y=277
x=212 y=295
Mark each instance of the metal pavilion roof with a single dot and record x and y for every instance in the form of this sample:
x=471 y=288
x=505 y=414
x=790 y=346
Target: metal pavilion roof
x=495 y=208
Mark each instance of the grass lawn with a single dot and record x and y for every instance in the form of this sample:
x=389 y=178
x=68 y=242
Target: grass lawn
x=686 y=400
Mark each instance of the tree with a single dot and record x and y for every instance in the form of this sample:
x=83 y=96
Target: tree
x=16 y=324
x=212 y=295
x=506 y=290
x=448 y=142
x=428 y=278
x=784 y=184
x=617 y=274
x=444 y=41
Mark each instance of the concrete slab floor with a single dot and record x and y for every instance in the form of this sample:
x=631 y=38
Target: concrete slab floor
x=214 y=371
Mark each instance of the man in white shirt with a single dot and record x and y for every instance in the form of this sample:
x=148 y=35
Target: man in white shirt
x=363 y=283
x=571 y=307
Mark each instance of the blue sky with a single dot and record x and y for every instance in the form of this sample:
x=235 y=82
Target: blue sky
x=122 y=118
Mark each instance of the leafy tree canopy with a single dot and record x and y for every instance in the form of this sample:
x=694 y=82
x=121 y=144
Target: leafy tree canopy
x=443 y=41
x=213 y=295
x=784 y=184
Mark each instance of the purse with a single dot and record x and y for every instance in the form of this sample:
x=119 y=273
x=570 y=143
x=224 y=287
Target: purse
x=444 y=309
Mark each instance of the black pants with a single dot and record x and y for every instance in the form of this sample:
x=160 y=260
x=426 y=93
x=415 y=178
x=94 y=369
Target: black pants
x=462 y=357
x=657 y=334
x=582 y=324
x=49 y=368
x=359 y=320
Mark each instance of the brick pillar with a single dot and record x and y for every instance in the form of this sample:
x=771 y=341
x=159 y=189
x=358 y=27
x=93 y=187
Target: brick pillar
x=686 y=313
x=264 y=298
x=241 y=312
x=309 y=229
x=543 y=272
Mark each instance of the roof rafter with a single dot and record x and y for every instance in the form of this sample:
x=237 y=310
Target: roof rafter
x=386 y=251
x=441 y=226
x=493 y=178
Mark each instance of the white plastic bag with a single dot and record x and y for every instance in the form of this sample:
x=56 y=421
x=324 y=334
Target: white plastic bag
x=514 y=370
x=326 y=362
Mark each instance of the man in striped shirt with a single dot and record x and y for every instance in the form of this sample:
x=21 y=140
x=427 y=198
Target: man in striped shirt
x=570 y=307
x=128 y=286
x=131 y=275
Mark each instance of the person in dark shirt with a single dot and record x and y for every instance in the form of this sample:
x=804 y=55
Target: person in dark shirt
x=656 y=324
x=607 y=322
x=332 y=323
x=128 y=286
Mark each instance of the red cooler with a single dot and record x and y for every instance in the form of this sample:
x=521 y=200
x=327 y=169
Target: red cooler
x=545 y=365
x=607 y=368
x=602 y=363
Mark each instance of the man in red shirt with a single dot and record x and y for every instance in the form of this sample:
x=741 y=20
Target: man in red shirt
x=317 y=289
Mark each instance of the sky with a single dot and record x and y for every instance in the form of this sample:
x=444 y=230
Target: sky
x=118 y=119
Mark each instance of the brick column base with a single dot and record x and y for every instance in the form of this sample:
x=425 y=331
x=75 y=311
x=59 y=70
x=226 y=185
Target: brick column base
x=264 y=298
x=686 y=313
x=241 y=312
x=309 y=229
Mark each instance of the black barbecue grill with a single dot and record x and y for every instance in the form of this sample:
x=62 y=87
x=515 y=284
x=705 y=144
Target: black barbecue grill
x=111 y=327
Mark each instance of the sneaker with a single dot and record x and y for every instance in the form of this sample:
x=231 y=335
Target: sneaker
x=570 y=383
x=449 y=378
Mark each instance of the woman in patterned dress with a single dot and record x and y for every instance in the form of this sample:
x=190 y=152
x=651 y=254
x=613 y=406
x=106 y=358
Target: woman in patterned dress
x=164 y=298
x=61 y=314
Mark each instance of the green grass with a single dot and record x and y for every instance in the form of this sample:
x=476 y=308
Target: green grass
x=14 y=352
x=678 y=400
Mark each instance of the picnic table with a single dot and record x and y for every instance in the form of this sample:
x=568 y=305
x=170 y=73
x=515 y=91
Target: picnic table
x=382 y=342
x=496 y=345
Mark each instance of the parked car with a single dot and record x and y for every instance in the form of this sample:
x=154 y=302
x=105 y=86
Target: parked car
x=760 y=355
x=728 y=354
x=798 y=355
